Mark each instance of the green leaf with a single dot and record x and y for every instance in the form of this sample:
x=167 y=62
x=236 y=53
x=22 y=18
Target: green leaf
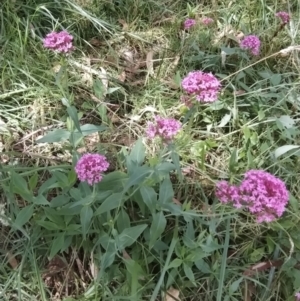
x=19 y=184
x=176 y=162
x=61 y=178
x=175 y=263
x=59 y=201
x=233 y=160
x=235 y=285
x=57 y=244
x=284 y=149
x=123 y=220
x=138 y=176
x=129 y=236
x=48 y=225
x=158 y=226
x=188 y=272
x=24 y=215
x=99 y=88
x=40 y=200
x=149 y=197
x=112 y=202
x=72 y=177
x=113 y=181
x=286 y=121
x=165 y=168
x=86 y=216
x=89 y=129
x=74 y=116
x=275 y=79
x=54 y=217
x=55 y=136
x=166 y=192
x=33 y=181
x=137 y=153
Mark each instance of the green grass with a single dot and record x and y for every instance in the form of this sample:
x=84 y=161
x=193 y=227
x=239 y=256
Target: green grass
x=259 y=94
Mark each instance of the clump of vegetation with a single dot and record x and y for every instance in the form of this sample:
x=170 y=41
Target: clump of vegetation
x=149 y=151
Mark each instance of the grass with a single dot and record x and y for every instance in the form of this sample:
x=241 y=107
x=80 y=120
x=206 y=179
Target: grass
x=215 y=252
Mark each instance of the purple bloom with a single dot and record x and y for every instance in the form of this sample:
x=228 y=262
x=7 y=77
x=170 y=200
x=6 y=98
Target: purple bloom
x=284 y=16
x=89 y=168
x=260 y=192
x=166 y=128
x=252 y=43
x=188 y=23
x=59 y=41
x=297 y=295
x=207 y=21
x=204 y=85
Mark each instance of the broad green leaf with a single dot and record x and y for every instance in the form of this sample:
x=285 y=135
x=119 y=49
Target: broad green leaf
x=112 y=202
x=74 y=116
x=284 y=149
x=54 y=217
x=233 y=160
x=123 y=220
x=57 y=244
x=138 y=177
x=188 y=272
x=275 y=79
x=61 y=178
x=48 y=225
x=129 y=236
x=59 y=201
x=107 y=260
x=48 y=184
x=68 y=210
x=40 y=200
x=86 y=216
x=134 y=269
x=113 y=181
x=137 y=153
x=165 y=168
x=166 y=192
x=89 y=129
x=72 y=177
x=19 y=184
x=149 y=197
x=203 y=266
x=286 y=121
x=158 y=226
x=235 y=285
x=99 y=88
x=55 y=136
x=24 y=215
x=175 y=263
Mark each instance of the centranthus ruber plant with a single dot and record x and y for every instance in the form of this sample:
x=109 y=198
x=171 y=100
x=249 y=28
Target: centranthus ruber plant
x=260 y=192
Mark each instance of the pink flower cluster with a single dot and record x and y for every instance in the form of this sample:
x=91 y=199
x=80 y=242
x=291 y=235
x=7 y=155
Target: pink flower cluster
x=89 y=168
x=260 y=192
x=166 y=128
x=204 y=85
x=188 y=23
x=297 y=295
x=284 y=16
x=59 y=41
x=251 y=43
x=207 y=20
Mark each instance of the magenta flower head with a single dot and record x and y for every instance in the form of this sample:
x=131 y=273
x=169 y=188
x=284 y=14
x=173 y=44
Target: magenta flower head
x=204 y=85
x=251 y=43
x=284 y=16
x=166 y=128
x=89 y=168
x=188 y=23
x=207 y=21
x=264 y=195
x=297 y=295
x=60 y=42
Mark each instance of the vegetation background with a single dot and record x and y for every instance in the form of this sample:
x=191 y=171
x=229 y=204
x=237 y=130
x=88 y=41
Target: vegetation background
x=128 y=64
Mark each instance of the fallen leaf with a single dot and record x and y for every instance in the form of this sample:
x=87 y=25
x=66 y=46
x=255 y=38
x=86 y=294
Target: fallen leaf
x=126 y=255
x=149 y=63
x=172 y=295
x=125 y=26
x=12 y=260
x=122 y=77
x=93 y=267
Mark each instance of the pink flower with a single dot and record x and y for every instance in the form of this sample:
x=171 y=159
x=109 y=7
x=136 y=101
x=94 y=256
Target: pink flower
x=251 y=43
x=89 y=168
x=297 y=295
x=284 y=16
x=166 y=128
x=260 y=192
x=206 y=21
x=59 y=41
x=188 y=23
x=204 y=85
